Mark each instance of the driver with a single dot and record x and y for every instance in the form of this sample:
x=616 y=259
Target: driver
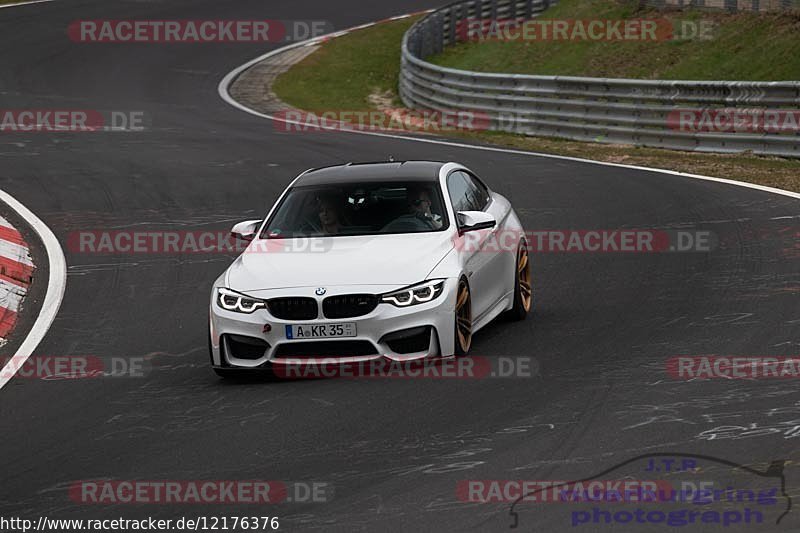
x=329 y=218
x=420 y=205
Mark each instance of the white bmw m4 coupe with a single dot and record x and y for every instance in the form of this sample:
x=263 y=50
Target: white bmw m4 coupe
x=357 y=262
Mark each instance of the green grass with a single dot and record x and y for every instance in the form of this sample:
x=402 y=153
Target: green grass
x=759 y=47
x=345 y=71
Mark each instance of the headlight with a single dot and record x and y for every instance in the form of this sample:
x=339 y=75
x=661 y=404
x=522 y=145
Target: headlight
x=416 y=294
x=239 y=303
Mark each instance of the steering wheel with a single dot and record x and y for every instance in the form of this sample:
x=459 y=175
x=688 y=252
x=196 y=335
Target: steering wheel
x=428 y=221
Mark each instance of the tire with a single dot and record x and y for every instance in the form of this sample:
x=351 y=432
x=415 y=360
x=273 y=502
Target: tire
x=462 y=329
x=523 y=288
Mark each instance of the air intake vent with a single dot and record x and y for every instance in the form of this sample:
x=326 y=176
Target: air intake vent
x=293 y=308
x=321 y=349
x=349 y=305
x=241 y=347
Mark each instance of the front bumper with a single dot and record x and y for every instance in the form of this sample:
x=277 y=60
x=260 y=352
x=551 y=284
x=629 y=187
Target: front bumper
x=236 y=339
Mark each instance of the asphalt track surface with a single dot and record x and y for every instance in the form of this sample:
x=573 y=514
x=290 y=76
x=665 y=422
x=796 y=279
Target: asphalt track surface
x=392 y=449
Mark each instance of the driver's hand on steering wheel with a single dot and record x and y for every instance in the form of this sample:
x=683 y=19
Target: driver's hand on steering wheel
x=428 y=219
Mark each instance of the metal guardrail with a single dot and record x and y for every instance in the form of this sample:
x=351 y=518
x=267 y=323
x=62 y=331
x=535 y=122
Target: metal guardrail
x=733 y=6
x=626 y=111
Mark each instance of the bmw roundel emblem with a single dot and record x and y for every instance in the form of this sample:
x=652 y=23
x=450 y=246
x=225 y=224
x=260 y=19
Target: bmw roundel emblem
x=320 y=291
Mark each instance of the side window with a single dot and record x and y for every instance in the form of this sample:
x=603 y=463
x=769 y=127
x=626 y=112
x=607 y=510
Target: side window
x=466 y=192
x=460 y=189
x=482 y=191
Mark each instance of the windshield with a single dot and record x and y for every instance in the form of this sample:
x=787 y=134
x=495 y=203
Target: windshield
x=358 y=209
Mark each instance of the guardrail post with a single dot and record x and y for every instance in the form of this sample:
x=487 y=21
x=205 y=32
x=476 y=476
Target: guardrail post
x=455 y=22
x=425 y=40
x=438 y=33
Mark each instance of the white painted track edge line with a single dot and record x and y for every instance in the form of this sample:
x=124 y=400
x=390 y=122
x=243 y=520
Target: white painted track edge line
x=222 y=89
x=19 y=4
x=57 y=284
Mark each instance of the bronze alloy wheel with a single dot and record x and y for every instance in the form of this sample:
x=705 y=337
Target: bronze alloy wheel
x=524 y=279
x=523 y=286
x=463 y=318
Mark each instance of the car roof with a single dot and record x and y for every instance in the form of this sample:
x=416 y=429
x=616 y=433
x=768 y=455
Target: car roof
x=371 y=172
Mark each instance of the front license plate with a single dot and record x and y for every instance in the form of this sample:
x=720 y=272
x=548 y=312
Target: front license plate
x=321 y=331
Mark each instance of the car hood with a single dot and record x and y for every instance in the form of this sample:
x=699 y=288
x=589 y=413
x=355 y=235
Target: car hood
x=358 y=260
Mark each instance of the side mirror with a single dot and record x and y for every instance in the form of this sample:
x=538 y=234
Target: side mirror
x=246 y=231
x=474 y=220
